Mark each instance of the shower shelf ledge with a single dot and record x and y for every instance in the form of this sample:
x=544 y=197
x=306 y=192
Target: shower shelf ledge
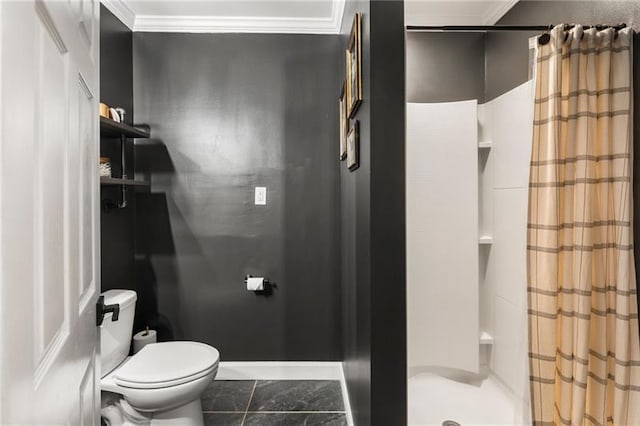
x=485 y=240
x=486 y=338
x=485 y=145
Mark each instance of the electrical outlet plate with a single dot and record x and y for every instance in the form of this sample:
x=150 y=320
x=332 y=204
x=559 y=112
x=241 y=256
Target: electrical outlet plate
x=261 y=196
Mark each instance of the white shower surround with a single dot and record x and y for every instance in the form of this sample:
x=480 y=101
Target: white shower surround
x=504 y=185
x=442 y=235
x=502 y=148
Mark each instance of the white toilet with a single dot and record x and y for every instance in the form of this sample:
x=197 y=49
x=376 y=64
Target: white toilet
x=159 y=385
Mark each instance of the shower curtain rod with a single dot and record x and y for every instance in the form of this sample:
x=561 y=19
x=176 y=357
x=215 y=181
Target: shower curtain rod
x=503 y=27
x=479 y=28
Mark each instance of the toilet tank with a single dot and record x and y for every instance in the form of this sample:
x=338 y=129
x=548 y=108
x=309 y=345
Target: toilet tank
x=115 y=336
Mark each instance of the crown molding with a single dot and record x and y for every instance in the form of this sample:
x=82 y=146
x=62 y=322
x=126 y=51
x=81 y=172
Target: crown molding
x=228 y=24
x=121 y=11
x=224 y=24
x=418 y=12
x=493 y=14
x=337 y=14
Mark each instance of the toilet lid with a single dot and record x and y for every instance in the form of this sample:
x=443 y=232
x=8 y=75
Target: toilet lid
x=159 y=363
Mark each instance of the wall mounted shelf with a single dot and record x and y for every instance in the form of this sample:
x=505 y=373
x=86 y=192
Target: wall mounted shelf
x=486 y=338
x=121 y=131
x=485 y=240
x=111 y=129
x=107 y=181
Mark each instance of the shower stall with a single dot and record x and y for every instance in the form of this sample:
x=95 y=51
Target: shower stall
x=467 y=177
x=521 y=288
x=467 y=173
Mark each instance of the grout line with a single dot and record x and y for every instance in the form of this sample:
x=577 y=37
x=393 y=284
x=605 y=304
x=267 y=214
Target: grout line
x=249 y=403
x=276 y=412
x=297 y=412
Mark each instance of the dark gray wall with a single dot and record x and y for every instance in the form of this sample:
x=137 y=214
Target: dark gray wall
x=388 y=216
x=373 y=224
x=445 y=67
x=116 y=89
x=507 y=52
x=229 y=112
x=355 y=234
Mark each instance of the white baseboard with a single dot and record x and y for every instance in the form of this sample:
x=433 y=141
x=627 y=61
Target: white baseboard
x=279 y=370
x=286 y=370
x=345 y=397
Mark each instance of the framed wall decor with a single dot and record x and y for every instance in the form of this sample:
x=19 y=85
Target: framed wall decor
x=354 y=67
x=344 y=124
x=353 y=147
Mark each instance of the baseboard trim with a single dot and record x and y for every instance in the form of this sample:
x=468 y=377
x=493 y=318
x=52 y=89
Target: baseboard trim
x=279 y=370
x=287 y=370
x=345 y=396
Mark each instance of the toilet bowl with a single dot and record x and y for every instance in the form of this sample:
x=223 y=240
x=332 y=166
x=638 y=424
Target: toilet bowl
x=163 y=382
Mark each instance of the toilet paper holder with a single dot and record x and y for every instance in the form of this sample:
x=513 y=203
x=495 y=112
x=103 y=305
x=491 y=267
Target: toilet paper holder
x=266 y=280
x=267 y=286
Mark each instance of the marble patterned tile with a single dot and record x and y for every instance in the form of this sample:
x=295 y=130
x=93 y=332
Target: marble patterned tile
x=227 y=395
x=297 y=395
x=223 y=419
x=295 y=419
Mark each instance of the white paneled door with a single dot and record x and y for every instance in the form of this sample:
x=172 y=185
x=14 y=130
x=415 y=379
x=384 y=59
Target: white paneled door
x=49 y=281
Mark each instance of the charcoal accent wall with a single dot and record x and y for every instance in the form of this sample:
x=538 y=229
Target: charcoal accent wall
x=388 y=215
x=445 y=67
x=229 y=112
x=373 y=224
x=355 y=188
x=116 y=89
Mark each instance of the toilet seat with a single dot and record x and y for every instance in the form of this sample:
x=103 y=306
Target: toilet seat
x=161 y=365
x=160 y=385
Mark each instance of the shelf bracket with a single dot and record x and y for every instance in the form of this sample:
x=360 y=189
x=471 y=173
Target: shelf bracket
x=108 y=204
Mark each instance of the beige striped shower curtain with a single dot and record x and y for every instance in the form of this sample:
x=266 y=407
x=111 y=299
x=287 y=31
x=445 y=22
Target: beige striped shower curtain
x=584 y=353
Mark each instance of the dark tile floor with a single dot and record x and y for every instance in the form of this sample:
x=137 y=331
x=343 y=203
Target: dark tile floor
x=274 y=402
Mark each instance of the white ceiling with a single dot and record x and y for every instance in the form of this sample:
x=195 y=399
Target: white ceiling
x=288 y=16
x=455 y=12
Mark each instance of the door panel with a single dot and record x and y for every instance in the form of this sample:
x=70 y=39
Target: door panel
x=49 y=369
x=86 y=21
x=51 y=304
x=87 y=395
x=87 y=189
